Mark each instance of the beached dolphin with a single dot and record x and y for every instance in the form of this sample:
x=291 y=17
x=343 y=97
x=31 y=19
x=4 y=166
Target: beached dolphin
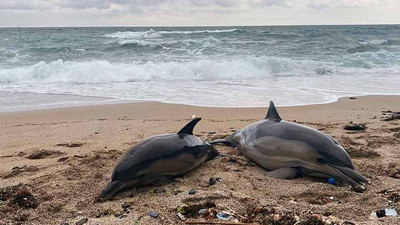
x=288 y=149
x=160 y=157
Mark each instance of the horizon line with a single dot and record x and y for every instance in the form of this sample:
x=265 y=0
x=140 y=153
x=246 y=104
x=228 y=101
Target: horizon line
x=138 y=26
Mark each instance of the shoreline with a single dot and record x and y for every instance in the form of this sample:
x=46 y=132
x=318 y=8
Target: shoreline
x=65 y=156
x=116 y=101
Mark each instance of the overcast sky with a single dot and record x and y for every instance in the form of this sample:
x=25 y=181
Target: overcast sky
x=196 y=12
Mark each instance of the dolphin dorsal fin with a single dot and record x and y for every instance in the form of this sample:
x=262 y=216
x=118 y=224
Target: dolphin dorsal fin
x=188 y=129
x=273 y=113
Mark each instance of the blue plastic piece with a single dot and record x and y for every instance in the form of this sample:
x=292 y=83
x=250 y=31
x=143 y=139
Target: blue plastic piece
x=331 y=181
x=153 y=214
x=223 y=216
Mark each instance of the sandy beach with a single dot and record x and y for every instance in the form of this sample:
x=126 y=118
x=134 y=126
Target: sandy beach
x=58 y=160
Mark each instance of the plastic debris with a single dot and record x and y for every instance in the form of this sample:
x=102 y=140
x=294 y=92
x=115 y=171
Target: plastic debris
x=180 y=209
x=331 y=180
x=224 y=216
x=182 y=217
x=384 y=212
x=192 y=192
x=152 y=214
x=212 y=132
x=193 y=117
x=391 y=212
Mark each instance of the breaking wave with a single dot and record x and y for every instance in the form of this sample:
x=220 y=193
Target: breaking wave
x=99 y=71
x=156 y=34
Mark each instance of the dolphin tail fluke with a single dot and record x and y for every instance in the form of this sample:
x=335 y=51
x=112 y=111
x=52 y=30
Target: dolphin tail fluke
x=112 y=188
x=220 y=141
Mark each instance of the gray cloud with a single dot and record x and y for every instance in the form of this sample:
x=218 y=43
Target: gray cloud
x=243 y=4
x=87 y=4
x=25 y=5
x=196 y=12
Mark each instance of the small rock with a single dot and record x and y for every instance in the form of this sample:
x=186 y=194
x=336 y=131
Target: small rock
x=373 y=216
x=353 y=98
x=212 y=181
x=193 y=117
x=159 y=190
x=177 y=192
x=359 y=188
x=192 y=192
x=82 y=221
x=212 y=132
x=122 y=216
x=70 y=145
x=42 y=154
x=218 y=179
x=202 y=211
x=152 y=214
x=62 y=223
x=380 y=213
x=125 y=205
x=333 y=219
x=62 y=159
x=354 y=127
x=179 y=180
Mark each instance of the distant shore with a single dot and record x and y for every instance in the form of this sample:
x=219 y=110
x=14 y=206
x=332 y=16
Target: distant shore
x=65 y=156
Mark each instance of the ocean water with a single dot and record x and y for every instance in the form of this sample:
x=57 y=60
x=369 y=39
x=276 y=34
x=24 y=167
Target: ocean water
x=207 y=66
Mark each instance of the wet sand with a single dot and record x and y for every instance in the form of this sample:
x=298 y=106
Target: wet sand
x=56 y=161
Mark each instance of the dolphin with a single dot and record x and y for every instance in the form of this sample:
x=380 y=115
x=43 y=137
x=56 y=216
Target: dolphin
x=159 y=157
x=289 y=149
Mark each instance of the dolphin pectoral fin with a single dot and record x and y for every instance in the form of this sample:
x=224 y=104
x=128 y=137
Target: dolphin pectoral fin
x=219 y=141
x=284 y=173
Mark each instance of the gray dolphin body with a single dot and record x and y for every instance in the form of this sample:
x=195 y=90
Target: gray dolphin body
x=159 y=157
x=288 y=149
